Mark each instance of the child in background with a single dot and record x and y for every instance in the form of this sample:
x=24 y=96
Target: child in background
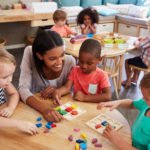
x=141 y=126
x=7 y=68
x=60 y=26
x=142 y=61
x=90 y=83
x=88 y=19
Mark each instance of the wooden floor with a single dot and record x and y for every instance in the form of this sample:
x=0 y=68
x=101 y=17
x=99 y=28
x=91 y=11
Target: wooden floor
x=131 y=93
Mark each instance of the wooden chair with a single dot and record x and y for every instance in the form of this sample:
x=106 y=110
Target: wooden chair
x=132 y=67
x=2 y=42
x=111 y=64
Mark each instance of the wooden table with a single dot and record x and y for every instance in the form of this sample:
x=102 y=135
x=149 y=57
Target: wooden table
x=73 y=49
x=23 y=15
x=56 y=139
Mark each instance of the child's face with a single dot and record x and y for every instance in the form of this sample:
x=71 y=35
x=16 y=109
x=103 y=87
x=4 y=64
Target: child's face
x=53 y=59
x=87 y=62
x=60 y=22
x=87 y=20
x=6 y=74
x=146 y=95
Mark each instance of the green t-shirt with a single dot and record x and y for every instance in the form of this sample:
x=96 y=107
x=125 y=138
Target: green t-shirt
x=141 y=127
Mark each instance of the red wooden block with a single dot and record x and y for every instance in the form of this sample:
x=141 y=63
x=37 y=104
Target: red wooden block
x=97 y=126
x=53 y=125
x=74 y=112
x=68 y=109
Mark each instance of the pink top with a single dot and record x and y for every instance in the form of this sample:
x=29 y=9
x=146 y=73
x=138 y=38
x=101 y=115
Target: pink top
x=92 y=83
x=64 y=31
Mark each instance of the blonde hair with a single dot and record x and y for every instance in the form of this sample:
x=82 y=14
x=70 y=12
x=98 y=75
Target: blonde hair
x=59 y=15
x=145 y=82
x=6 y=57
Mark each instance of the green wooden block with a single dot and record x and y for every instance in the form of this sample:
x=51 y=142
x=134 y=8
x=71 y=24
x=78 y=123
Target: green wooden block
x=63 y=112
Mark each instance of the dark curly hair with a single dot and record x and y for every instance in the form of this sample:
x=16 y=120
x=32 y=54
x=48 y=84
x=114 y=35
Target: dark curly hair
x=91 y=12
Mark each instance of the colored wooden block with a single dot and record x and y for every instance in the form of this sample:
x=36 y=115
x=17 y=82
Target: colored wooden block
x=83 y=145
x=68 y=109
x=48 y=126
x=63 y=112
x=74 y=112
x=97 y=126
x=94 y=140
x=84 y=136
x=77 y=146
x=53 y=125
x=70 y=138
x=50 y=123
x=39 y=119
x=104 y=123
x=74 y=106
x=98 y=145
x=79 y=141
x=38 y=125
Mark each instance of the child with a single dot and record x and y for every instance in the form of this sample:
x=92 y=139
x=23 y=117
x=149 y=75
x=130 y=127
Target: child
x=88 y=19
x=7 y=68
x=90 y=83
x=44 y=68
x=142 y=61
x=60 y=26
x=141 y=127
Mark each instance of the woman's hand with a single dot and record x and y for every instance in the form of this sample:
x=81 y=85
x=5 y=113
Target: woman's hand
x=47 y=92
x=112 y=105
x=56 y=97
x=52 y=115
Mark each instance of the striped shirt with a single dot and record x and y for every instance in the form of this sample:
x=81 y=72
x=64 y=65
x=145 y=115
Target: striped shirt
x=2 y=96
x=145 y=46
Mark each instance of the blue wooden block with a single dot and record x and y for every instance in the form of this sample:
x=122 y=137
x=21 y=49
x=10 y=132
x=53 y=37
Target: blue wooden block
x=83 y=145
x=39 y=119
x=50 y=123
x=104 y=123
x=79 y=141
x=48 y=126
x=39 y=125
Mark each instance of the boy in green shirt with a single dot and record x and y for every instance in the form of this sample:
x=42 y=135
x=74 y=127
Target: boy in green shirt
x=141 y=126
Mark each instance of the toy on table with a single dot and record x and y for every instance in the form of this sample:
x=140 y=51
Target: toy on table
x=70 y=110
x=100 y=122
x=78 y=39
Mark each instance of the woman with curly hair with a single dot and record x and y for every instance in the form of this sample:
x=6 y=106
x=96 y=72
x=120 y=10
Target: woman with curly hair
x=88 y=19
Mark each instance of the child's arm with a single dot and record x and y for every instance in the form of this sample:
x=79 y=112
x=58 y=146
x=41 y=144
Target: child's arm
x=114 y=137
x=69 y=31
x=12 y=101
x=24 y=126
x=62 y=91
x=85 y=29
x=127 y=103
x=104 y=96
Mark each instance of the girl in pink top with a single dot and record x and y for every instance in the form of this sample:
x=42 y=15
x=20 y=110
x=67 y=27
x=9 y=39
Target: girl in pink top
x=88 y=19
x=60 y=26
x=90 y=83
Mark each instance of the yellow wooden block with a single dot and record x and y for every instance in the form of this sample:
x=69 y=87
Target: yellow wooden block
x=77 y=146
x=84 y=136
x=74 y=106
x=57 y=108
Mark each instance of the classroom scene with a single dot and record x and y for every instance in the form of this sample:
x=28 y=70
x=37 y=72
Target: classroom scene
x=75 y=74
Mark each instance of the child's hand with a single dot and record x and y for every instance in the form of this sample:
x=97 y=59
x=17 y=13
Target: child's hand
x=52 y=115
x=79 y=96
x=112 y=135
x=6 y=112
x=111 y=105
x=27 y=127
x=47 y=93
x=56 y=97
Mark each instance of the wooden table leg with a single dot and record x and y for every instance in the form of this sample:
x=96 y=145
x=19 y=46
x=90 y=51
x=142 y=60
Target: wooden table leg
x=120 y=71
